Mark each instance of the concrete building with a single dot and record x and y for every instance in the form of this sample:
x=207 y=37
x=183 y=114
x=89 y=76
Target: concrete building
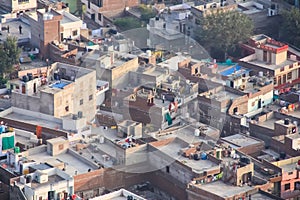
x=121 y=194
x=112 y=67
x=52 y=25
x=245 y=144
x=46 y=184
x=97 y=9
x=18 y=6
x=271 y=58
x=290 y=177
x=57 y=90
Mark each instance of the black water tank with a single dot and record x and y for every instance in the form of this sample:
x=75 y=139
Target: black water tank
x=28 y=179
x=196 y=156
x=30 y=76
x=286 y=121
x=282 y=155
x=25 y=78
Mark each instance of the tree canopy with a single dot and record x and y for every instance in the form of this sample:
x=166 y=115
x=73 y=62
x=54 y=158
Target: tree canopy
x=146 y=13
x=290 y=28
x=127 y=23
x=222 y=31
x=9 y=55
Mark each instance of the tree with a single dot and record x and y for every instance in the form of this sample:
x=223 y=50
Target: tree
x=290 y=28
x=9 y=55
x=146 y=13
x=127 y=23
x=221 y=32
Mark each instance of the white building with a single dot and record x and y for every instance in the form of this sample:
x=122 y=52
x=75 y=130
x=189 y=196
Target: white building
x=50 y=183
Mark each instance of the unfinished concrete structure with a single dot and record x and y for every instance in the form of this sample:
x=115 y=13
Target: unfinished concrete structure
x=57 y=90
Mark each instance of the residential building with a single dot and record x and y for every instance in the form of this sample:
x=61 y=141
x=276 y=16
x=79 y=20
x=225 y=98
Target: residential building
x=121 y=194
x=290 y=177
x=57 y=90
x=50 y=183
x=271 y=58
x=97 y=9
x=52 y=25
x=18 y=6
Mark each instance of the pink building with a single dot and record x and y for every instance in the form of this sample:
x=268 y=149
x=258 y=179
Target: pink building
x=290 y=177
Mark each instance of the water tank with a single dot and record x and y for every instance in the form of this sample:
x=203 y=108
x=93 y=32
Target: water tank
x=203 y=156
x=282 y=155
x=17 y=150
x=80 y=114
x=295 y=123
x=101 y=140
x=260 y=74
x=30 y=76
x=148 y=53
x=286 y=121
x=28 y=179
x=55 y=75
x=197 y=133
x=196 y=156
x=25 y=78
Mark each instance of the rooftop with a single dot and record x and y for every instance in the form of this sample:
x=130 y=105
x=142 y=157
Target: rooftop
x=14 y=31
x=73 y=164
x=223 y=190
x=172 y=147
x=271 y=66
x=240 y=140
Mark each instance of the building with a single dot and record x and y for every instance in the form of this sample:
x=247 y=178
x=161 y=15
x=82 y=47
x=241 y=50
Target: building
x=18 y=6
x=48 y=25
x=271 y=58
x=97 y=9
x=57 y=90
x=49 y=183
x=121 y=194
x=290 y=177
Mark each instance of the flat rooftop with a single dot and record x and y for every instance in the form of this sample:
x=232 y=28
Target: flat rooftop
x=33 y=120
x=224 y=95
x=240 y=140
x=224 y=190
x=172 y=149
x=14 y=31
x=271 y=66
x=51 y=179
x=73 y=164
x=187 y=134
x=269 y=123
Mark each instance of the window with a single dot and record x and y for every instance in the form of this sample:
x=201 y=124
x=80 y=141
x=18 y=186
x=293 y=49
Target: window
x=265 y=56
x=23 y=1
x=282 y=69
x=99 y=17
x=287 y=186
x=291 y=66
x=289 y=75
x=81 y=101
x=290 y=173
x=275 y=81
x=74 y=33
x=167 y=169
x=61 y=146
x=67 y=108
x=90 y=97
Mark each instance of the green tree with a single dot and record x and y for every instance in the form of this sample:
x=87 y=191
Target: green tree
x=290 y=27
x=127 y=23
x=221 y=32
x=9 y=55
x=146 y=13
